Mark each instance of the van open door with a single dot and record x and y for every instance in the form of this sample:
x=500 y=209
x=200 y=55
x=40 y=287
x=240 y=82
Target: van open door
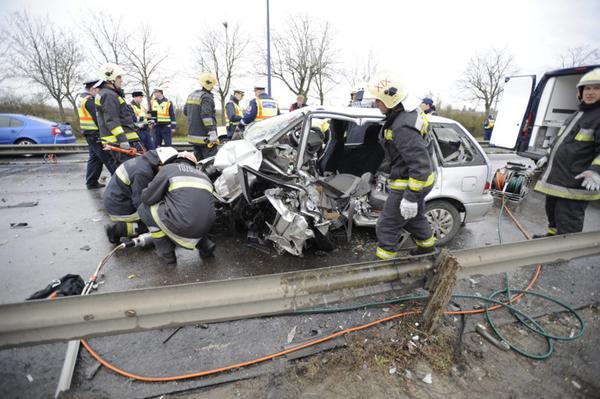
x=517 y=93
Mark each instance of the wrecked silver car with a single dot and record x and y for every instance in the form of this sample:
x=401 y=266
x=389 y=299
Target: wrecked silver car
x=297 y=179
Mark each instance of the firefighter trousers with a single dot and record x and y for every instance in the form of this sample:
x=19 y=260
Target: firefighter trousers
x=565 y=215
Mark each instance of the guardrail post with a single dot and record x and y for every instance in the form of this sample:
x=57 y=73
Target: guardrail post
x=440 y=287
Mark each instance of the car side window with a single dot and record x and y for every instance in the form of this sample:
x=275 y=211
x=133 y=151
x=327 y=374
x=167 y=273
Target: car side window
x=4 y=121
x=454 y=147
x=15 y=122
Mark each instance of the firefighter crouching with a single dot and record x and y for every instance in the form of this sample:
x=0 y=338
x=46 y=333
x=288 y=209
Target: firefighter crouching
x=406 y=141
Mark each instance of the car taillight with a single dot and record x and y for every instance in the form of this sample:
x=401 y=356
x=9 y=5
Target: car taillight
x=487 y=187
x=55 y=131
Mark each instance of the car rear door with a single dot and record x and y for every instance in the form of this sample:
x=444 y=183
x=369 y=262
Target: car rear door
x=511 y=111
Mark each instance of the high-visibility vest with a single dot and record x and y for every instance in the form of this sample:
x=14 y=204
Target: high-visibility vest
x=162 y=111
x=265 y=108
x=86 y=122
x=139 y=111
x=238 y=112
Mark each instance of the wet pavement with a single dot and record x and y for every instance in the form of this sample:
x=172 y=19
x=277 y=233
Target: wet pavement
x=65 y=234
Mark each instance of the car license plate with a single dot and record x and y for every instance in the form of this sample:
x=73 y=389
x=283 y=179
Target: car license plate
x=68 y=132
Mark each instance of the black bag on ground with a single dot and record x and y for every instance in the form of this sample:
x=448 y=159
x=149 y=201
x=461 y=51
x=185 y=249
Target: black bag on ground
x=69 y=284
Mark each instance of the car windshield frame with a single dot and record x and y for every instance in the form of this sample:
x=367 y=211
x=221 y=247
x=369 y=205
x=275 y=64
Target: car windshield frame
x=270 y=130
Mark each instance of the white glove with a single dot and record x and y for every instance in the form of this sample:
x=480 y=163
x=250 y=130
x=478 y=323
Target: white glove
x=124 y=145
x=591 y=180
x=541 y=162
x=212 y=137
x=408 y=209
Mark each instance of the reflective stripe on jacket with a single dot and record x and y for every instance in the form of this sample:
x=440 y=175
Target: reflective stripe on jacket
x=163 y=110
x=265 y=108
x=200 y=111
x=86 y=120
x=115 y=121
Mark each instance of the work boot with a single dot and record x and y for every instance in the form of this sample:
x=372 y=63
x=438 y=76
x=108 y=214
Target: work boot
x=542 y=235
x=421 y=251
x=93 y=186
x=115 y=231
x=165 y=250
x=206 y=247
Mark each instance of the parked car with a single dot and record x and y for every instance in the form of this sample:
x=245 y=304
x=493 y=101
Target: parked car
x=296 y=178
x=27 y=129
x=529 y=116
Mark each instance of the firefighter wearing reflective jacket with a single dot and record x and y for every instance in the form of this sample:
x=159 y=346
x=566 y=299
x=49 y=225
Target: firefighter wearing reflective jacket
x=233 y=113
x=572 y=177
x=123 y=194
x=202 y=122
x=261 y=107
x=406 y=142
x=88 y=123
x=114 y=115
x=178 y=208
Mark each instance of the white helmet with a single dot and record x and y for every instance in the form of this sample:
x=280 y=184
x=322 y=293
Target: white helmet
x=388 y=87
x=109 y=72
x=166 y=154
x=208 y=80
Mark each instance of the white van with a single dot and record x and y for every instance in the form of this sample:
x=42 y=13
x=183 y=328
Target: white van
x=530 y=116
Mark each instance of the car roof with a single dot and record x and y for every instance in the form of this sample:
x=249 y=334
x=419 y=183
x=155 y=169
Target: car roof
x=356 y=112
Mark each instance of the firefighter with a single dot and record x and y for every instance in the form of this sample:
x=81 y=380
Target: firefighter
x=140 y=119
x=263 y=106
x=202 y=121
x=233 y=113
x=178 y=208
x=166 y=122
x=572 y=177
x=114 y=115
x=123 y=194
x=488 y=127
x=88 y=123
x=406 y=141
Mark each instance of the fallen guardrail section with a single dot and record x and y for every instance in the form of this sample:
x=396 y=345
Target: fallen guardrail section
x=151 y=308
x=60 y=149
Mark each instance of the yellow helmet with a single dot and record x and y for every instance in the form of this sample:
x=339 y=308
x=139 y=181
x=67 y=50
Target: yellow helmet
x=208 y=80
x=109 y=72
x=388 y=87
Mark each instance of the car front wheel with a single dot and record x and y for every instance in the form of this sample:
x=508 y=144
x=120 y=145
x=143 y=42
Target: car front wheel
x=444 y=219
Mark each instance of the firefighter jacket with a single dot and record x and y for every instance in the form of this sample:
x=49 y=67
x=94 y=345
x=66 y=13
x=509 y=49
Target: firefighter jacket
x=114 y=117
x=406 y=140
x=122 y=195
x=200 y=111
x=261 y=107
x=576 y=149
x=86 y=108
x=165 y=112
x=181 y=203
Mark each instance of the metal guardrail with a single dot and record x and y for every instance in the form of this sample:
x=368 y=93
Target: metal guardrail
x=60 y=149
x=151 y=308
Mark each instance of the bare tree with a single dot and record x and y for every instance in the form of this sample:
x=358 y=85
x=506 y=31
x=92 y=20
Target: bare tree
x=223 y=55
x=144 y=60
x=578 y=56
x=360 y=72
x=108 y=37
x=484 y=75
x=324 y=56
x=47 y=56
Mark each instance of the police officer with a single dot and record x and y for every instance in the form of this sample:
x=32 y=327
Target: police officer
x=140 y=119
x=202 y=121
x=427 y=106
x=123 y=194
x=114 y=115
x=233 y=113
x=572 y=177
x=166 y=122
x=178 y=208
x=488 y=127
x=88 y=123
x=406 y=142
x=263 y=106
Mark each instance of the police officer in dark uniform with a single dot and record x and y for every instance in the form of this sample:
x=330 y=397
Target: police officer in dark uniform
x=406 y=142
x=233 y=113
x=140 y=118
x=202 y=121
x=263 y=106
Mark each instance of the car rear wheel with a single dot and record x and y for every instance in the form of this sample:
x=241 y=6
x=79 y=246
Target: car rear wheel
x=25 y=142
x=444 y=219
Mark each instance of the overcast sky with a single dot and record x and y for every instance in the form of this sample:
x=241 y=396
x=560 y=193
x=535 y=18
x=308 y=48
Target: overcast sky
x=429 y=41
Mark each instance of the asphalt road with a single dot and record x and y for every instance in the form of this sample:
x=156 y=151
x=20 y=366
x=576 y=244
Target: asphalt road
x=64 y=234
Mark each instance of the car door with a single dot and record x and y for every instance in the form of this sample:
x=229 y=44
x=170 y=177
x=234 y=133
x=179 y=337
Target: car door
x=511 y=111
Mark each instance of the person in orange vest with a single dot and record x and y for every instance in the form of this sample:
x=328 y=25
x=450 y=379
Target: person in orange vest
x=88 y=123
x=233 y=113
x=261 y=107
x=165 y=118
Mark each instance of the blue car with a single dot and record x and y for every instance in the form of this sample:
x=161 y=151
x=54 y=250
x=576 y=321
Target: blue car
x=26 y=129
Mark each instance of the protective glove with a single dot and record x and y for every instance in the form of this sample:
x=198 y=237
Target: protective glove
x=212 y=137
x=541 y=162
x=124 y=145
x=408 y=209
x=591 y=180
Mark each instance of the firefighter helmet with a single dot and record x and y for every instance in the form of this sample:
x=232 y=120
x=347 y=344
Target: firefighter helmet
x=166 y=154
x=109 y=72
x=208 y=80
x=388 y=87
x=590 y=78
x=188 y=156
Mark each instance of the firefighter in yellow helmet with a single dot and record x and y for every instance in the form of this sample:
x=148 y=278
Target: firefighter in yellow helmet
x=202 y=122
x=572 y=177
x=406 y=142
